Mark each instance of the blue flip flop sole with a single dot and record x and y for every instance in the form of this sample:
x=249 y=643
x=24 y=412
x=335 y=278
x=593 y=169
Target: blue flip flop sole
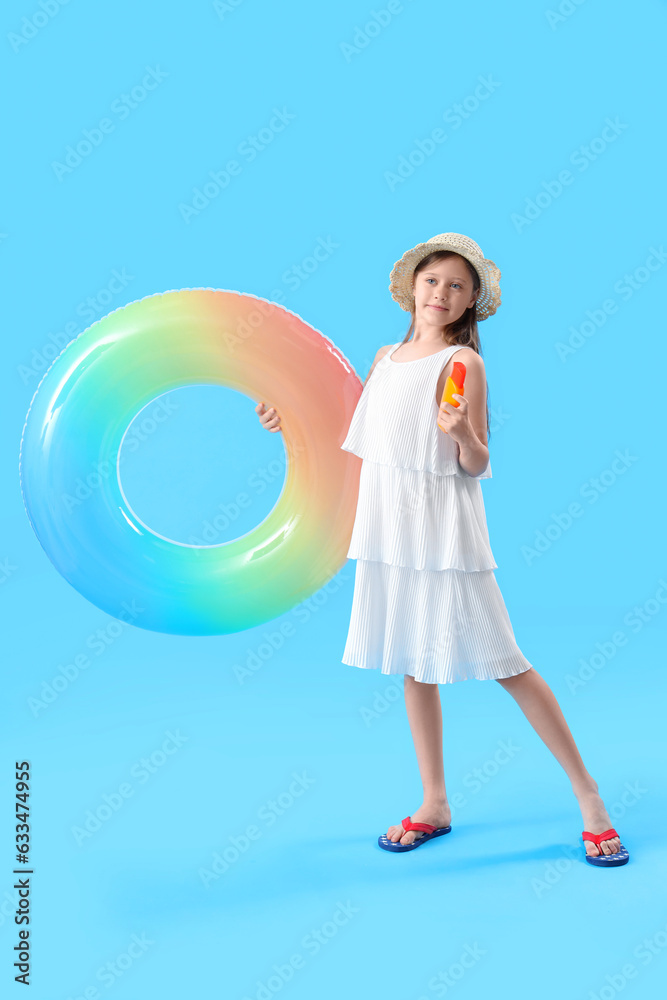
x=398 y=848
x=609 y=860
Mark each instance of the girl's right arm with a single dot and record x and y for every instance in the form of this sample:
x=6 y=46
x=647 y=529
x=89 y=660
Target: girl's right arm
x=378 y=357
x=270 y=419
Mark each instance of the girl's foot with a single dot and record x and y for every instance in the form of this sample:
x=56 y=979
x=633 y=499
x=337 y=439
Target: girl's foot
x=596 y=820
x=437 y=815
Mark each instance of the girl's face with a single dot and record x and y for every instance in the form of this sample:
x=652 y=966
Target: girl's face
x=443 y=291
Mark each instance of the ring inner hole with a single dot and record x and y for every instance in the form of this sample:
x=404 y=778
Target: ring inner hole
x=197 y=467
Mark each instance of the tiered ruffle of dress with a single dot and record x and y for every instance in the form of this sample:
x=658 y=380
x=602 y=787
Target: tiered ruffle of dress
x=426 y=601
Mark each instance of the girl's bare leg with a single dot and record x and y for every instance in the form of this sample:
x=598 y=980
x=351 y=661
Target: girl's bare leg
x=538 y=703
x=422 y=702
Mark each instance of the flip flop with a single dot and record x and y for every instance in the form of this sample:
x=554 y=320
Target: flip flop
x=428 y=833
x=621 y=857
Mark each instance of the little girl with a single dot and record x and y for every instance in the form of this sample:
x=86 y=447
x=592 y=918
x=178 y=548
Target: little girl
x=426 y=602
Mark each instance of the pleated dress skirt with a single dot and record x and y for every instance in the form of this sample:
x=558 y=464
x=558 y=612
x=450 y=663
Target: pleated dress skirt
x=426 y=601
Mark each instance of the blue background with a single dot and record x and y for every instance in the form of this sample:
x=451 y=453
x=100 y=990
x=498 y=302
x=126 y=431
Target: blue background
x=509 y=883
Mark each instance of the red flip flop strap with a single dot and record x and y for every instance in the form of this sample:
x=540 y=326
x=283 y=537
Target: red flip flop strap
x=423 y=827
x=597 y=838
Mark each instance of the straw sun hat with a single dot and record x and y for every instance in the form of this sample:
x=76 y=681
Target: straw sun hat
x=400 y=284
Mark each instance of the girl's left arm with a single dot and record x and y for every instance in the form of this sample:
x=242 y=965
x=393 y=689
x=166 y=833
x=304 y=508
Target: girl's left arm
x=466 y=423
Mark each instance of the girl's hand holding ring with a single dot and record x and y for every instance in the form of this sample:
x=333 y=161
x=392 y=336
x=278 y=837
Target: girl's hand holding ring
x=268 y=418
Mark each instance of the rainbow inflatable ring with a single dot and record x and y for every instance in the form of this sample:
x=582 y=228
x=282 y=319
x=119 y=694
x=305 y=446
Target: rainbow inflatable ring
x=95 y=388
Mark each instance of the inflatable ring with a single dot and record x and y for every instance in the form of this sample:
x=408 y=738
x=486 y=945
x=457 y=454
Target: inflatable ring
x=92 y=392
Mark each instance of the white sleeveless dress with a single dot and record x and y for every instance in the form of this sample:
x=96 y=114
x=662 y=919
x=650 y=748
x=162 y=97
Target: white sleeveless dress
x=426 y=601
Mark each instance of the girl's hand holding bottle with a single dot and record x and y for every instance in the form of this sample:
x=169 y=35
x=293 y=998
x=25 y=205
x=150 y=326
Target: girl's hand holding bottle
x=454 y=420
x=268 y=418
x=452 y=396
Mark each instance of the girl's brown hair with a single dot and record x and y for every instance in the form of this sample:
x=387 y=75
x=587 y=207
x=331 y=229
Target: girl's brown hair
x=464 y=331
